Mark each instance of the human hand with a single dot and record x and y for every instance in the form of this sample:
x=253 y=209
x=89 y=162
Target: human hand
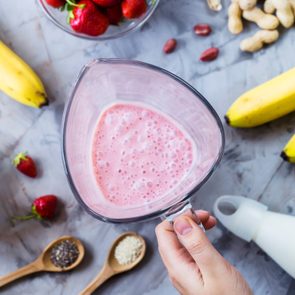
x=194 y=266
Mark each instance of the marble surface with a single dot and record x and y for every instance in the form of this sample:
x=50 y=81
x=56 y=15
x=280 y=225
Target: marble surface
x=251 y=165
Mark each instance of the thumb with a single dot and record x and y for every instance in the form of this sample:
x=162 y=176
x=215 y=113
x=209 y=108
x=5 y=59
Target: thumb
x=197 y=244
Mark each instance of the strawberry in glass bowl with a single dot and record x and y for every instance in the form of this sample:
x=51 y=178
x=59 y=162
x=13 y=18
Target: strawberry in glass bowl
x=98 y=19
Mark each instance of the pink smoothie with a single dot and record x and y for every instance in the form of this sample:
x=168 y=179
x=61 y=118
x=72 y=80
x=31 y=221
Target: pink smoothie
x=139 y=154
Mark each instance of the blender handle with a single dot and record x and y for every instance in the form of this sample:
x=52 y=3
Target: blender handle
x=182 y=208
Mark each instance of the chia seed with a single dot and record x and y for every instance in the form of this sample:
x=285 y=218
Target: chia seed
x=64 y=253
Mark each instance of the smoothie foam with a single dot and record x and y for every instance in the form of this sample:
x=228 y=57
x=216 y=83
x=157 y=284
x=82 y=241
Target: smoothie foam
x=139 y=154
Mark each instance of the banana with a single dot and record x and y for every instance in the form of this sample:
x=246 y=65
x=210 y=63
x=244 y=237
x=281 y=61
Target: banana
x=264 y=103
x=288 y=153
x=19 y=81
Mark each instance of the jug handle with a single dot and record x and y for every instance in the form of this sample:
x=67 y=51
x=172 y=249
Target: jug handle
x=181 y=208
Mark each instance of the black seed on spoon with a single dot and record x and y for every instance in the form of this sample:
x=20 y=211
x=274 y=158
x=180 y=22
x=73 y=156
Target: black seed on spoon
x=64 y=253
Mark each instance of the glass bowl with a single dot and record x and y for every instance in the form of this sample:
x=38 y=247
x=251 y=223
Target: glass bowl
x=60 y=20
x=106 y=81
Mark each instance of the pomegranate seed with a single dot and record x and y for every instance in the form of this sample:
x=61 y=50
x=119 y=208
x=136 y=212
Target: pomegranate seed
x=209 y=54
x=170 y=46
x=202 y=29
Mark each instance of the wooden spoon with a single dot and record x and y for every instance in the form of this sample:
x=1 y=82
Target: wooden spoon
x=43 y=262
x=112 y=267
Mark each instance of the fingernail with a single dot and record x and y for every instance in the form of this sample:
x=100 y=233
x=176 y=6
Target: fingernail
x=182 y=226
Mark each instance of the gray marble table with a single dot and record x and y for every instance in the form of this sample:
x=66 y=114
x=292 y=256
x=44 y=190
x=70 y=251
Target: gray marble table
x=251 y=165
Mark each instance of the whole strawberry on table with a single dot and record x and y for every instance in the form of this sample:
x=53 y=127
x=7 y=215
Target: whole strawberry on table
x=25 y=164
x=43 y=207
x=93 y=17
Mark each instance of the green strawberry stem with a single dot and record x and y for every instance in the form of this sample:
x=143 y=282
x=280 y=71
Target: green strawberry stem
x=26 y=217
x=19 y=157
x=69 y=7
x=71 y=3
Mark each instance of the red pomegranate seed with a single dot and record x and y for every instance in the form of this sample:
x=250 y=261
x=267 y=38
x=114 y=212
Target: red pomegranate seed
x=209 y=54
x=202 y=29
x=170 y=46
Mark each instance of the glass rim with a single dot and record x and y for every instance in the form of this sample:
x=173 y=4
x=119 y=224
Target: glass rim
x=67 y=108
x=100 y=37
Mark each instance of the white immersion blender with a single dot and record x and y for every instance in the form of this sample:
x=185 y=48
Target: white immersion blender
x=251 y=221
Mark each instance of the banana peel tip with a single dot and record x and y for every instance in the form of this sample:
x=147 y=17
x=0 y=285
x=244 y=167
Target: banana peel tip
x=284 y=156
x=226 y=118
x=44 y=104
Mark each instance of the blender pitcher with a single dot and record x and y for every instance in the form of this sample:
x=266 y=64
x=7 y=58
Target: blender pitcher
x=106 y=81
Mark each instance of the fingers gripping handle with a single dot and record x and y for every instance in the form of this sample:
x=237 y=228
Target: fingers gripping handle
x=182 y=208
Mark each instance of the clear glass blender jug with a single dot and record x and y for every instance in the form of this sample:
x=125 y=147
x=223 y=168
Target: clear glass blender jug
x=105 y=81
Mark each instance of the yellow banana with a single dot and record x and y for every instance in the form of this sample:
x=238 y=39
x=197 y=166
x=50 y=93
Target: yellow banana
x=288 y=153
x=264 y=103
x=19 y=81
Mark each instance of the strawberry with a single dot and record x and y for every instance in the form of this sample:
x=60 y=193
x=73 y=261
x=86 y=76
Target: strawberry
x=107 y=3
x=25 y=164
x=56 y=3
x=114 y=14
x=42 y=208
x=133 y=8
x=86 y=18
